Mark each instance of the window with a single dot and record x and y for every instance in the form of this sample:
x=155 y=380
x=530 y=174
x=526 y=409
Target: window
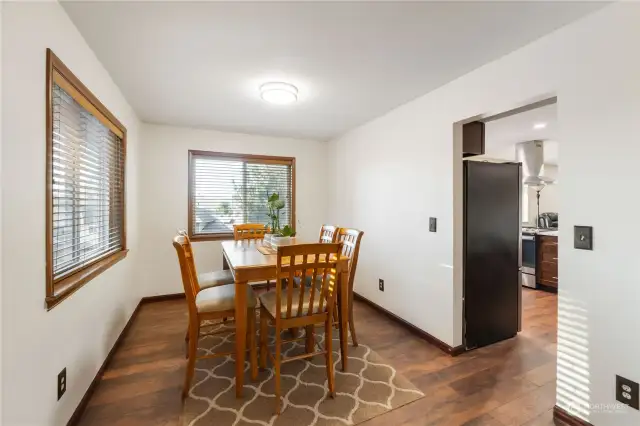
x=85 y=184
x=227 y=189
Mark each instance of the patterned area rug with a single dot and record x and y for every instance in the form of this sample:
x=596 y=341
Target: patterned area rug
x=368 y=389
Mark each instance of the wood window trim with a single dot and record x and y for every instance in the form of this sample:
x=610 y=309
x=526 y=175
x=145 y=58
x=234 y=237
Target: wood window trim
x=261 y=159
x=56 y=71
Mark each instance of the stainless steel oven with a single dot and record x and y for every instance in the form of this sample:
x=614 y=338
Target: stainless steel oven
x=529 y=260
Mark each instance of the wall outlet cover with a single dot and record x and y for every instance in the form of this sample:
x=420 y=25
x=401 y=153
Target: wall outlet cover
x=583 y=237
x=433 y=224
x=381 y=284
x=62 y=382
x=627 y=392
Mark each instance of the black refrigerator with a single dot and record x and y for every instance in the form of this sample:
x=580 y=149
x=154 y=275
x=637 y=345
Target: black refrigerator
x=492 y=252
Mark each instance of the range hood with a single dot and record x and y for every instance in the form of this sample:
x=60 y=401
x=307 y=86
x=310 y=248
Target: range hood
x=531 y=155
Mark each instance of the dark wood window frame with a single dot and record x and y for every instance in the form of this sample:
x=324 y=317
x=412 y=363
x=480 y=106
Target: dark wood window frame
x=58 y=290
x=264 y=159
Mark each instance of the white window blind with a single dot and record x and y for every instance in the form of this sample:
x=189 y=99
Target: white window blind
x=87 y=186
x=227 y=190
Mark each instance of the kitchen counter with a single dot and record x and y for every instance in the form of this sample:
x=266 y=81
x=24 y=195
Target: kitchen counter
x=534 y=231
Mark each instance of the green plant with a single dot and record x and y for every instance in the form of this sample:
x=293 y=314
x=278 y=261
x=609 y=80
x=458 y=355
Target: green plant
x=288 y=231
x=274 y=204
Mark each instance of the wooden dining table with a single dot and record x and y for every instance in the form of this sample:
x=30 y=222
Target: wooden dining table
x=248 y=264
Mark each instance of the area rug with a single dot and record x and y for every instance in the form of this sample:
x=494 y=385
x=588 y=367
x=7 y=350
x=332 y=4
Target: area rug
x=368 y=389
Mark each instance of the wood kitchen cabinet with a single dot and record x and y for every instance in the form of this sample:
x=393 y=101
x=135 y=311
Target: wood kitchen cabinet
x=547 y=267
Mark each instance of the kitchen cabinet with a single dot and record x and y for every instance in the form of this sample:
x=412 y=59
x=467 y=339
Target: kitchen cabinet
x=473 y=139
x=547 y=267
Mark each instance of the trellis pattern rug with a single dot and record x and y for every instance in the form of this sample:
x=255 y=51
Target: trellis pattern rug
x=368 y=389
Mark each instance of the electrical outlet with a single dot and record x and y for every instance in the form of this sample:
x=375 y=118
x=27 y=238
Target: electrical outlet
x=432 y=224
x=627 y=392
x=62 y=382
x=381 y=284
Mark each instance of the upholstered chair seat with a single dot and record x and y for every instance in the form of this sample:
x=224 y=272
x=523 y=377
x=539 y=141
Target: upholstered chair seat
x=215 y=278
x=222 y=298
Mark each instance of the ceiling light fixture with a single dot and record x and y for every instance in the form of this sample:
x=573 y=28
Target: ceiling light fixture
x=279 y=93
x=539 y=126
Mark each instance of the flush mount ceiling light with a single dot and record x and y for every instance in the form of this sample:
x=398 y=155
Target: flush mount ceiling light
x=539 y=126
x=279 y=93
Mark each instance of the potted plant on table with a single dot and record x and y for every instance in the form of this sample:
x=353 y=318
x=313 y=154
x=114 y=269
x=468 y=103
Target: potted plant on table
x=280 y=236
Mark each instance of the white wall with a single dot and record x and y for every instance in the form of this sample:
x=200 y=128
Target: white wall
x=403 y=173
x=164 y=186
x=79 y=332
x=549 y=197
x=1 y=142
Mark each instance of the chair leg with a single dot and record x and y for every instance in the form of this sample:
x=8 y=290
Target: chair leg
x=328 y=346
x=268 y=285
x=310 y=341
x=186 y=343
x=277 y=363
x=251 y=330
x=352 y=326
x=264 y=329
x=191 y=363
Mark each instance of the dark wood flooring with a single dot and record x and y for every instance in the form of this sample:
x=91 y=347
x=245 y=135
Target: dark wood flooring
x=509 y=383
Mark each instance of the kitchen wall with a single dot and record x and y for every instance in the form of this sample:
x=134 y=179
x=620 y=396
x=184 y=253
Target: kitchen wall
x=394 y=172
x=78 y=333
x=163 y=191
x=549 y=196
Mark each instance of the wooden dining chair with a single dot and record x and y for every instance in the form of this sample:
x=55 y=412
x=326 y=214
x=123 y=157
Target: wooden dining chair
x=350 y=240
x=210 y=304
x=291 y=305
x=211 y=278
x=327 y=234
x=250 y=231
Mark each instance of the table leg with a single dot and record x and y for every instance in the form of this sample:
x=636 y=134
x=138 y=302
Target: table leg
x=343 y=314
x=241 y=333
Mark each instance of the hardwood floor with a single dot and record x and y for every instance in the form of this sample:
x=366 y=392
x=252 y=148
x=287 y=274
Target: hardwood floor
x=509 y=383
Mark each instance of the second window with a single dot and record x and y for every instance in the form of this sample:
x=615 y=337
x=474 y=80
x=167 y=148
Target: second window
x=229 y=189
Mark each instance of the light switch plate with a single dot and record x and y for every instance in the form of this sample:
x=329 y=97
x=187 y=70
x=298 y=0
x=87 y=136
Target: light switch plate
x=583 y=237
x=433 y=224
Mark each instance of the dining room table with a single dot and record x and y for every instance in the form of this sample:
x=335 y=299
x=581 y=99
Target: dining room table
x=248 y=264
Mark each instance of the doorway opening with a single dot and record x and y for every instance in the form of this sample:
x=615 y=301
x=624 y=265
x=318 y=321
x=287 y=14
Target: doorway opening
x=509 y=224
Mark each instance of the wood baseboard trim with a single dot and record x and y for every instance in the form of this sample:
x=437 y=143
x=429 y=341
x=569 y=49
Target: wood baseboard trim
x=567 y=418
x=450 y=350
x=161 y=298
x=77 y=413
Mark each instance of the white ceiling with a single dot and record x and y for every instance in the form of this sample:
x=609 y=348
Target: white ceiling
x=501 y=136
x=200 y=64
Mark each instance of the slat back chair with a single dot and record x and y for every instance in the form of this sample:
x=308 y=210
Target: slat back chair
x=328 y=234
x=350 y=240
x=292 y=305
x=209 y=304
x=250 y=231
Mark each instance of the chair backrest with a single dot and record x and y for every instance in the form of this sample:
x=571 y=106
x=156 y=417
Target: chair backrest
x=182 y=244
x=317 y=261
x=250 y=231
x=350 y=239
x=328 y=234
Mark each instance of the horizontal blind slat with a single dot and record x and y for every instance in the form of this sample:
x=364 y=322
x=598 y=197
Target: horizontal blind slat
x=87 y=186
